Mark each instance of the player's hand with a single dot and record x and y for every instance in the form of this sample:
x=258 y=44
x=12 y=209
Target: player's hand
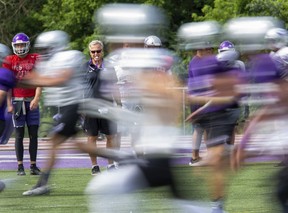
x=10 y=108
x=34 y=104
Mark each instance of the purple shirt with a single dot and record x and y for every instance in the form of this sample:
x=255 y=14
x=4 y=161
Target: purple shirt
x=262 y=69
x=201 y=72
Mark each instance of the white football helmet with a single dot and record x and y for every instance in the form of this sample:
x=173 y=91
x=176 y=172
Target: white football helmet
x=199 y=35
x=276 y=38
x=281 y=57
x=152 y=41
x=4 y=51
x=49 y=43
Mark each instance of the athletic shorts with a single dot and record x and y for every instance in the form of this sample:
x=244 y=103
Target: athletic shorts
x=23 y=115
x=219 y=126
x=66 y=125
x=157 y=172
x=93 y=126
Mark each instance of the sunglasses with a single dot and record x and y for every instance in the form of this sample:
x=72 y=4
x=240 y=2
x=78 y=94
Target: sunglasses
x=95 y=51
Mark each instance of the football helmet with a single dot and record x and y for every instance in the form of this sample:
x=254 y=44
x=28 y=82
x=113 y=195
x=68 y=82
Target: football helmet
x=4 y=51
x=199 y=35
x=51 y=42
x=281 y=58
x=130 y=23
x=21 y=38
x=249 y=32
x=226 y=45
x=276 y=38
x=152 y=41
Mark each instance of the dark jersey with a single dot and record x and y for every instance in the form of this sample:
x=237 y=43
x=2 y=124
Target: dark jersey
x=92 y=79
x=101 y=82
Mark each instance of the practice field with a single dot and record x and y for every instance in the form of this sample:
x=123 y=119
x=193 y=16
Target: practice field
x=251 y=190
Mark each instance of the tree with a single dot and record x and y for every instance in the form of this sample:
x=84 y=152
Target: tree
x=222 y=10
x=17 y=16
x=71 y=16
x=275 y=8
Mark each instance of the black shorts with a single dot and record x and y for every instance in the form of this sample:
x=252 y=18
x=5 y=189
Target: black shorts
x=2 y=127
x=219 y=126
x=157 y=171
x=93 y=126
x=66 y=126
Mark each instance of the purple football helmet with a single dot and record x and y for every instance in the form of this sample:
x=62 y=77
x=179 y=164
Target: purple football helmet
x=226 y=45
x=23 y=39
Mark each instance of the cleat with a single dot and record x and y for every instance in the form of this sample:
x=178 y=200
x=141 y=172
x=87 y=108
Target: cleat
x=112 y=167
x=282 y=163
x=217 y=206
x=2 y=186
x=21 y=171
x=34 y=170
x=95 y=170
x=41 y=190
x=195 y=162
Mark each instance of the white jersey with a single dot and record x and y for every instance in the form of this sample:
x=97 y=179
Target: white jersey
x=71 y=92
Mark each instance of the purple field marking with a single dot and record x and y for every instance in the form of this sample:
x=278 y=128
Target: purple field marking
x=71 y=158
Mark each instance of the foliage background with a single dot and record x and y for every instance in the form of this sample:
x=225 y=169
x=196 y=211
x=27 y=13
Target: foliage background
x=76 y=18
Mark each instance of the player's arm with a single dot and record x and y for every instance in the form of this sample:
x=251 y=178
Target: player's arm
x=34 y=79
x=212 y=100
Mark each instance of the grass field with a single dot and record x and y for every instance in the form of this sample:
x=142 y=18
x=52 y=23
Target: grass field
x=249 y=191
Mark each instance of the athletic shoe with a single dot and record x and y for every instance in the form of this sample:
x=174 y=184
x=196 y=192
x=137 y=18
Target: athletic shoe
x=111 y=167
x=34 y=170
x=217 y=206
x=101 y=137
x=95 y=170
x=41 y=190
x=217 y=210
x=282 y=163
x=2 y=186
x=21 y=170
x=195 y=162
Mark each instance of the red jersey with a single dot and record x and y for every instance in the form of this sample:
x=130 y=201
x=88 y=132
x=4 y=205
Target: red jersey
x=21 y=66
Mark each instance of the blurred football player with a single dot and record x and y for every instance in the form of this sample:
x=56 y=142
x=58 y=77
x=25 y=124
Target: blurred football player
x=60 y=73
x=7 y=82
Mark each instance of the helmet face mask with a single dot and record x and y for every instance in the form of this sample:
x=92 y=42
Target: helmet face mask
x=44 y=52
x=49 y=43
x=225 y=46
x=21 y=44
x=276 y=38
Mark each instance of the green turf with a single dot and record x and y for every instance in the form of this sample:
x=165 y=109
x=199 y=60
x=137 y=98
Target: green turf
x=249 y=191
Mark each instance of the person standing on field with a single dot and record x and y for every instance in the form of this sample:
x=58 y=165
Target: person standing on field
x=94 y=125
x=24 y=102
